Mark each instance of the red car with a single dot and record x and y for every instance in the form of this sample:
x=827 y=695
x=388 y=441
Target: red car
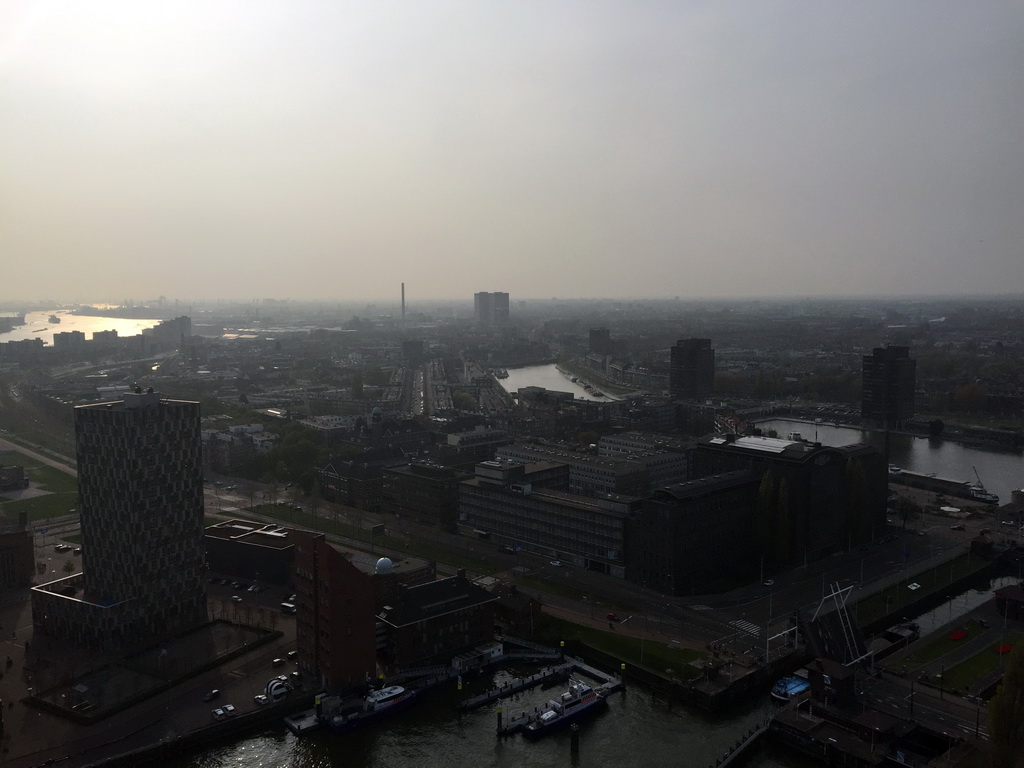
x=613 y=617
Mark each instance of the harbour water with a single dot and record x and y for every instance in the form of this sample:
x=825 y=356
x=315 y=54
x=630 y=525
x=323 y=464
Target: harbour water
x=38 y=326
x=635 y=729
x=1000 y=471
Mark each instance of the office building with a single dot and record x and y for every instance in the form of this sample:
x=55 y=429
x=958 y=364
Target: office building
x=813 y=500
x=689 y=536
x=889 y=380
x=506 y=503
x=490 y=309
x=140 y=486
x=691 y=369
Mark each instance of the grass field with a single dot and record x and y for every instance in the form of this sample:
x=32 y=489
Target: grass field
x=965 y=674
x=933 y=580
x=630 y=650
x=421 y=549
x=60 y=491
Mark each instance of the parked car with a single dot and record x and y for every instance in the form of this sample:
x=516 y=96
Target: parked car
x=613 y=617
x=260 y=699
x=958 y=527
x=769 y=582
x=292 y=654
x=556 y=563
x=278 y=662
x=218 y=714
x=236 y=599
x=211 y=695
x=228 y=709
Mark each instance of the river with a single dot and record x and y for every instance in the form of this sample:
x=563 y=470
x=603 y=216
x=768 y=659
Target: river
x=1000 y=471
x=549 y=377
x=38 y=326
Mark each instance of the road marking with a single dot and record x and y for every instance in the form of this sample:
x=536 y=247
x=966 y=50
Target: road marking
x=746 y=626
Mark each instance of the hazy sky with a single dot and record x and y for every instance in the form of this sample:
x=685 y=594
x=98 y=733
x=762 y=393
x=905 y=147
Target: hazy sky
x=332 y=150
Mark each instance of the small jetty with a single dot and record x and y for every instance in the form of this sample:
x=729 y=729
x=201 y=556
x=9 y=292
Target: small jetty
x=516 y=722
x=546 y=675
x=302 y=722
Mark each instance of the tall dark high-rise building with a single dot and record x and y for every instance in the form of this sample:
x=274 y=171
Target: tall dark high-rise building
x=691 y=369
x=490 y=308
x=600 y=341
x=140 y=486
x=889 y=378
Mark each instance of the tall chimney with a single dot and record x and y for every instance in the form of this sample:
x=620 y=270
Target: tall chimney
x=403 y=302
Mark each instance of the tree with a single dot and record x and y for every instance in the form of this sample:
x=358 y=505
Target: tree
x=764 y=513
x=68 y=567
x=907 y=509
x=783 y=524
x=1006 y=715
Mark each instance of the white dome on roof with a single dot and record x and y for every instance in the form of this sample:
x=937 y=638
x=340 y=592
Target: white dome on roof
x=384 y=565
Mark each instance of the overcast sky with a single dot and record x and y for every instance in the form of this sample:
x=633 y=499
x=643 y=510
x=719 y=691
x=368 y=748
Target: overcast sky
x=332 y=150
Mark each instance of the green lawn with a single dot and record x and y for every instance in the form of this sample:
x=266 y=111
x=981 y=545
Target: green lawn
x=424 y=550
x=967 y=673
x=933 y=580
x=629 y=650
x=61 y=491
x=938 y=648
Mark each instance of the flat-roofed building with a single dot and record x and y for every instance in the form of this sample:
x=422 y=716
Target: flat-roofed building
x=140 y=487
x=424 y=492
x=692 y=369
x=691 y=535
x=814 y=500
x=503 y=505
x=433 y=623
x=257 y=552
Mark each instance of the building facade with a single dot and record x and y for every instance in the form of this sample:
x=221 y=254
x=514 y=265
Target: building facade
x=140 y=485
x=691 y=369
x=688 y=536
x=334 y=622
x=888 y=384
x=490 y=309
x=501 y=504
x=813 y=500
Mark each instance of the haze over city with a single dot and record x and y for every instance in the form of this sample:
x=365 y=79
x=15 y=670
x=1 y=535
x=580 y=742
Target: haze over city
x=323 y=150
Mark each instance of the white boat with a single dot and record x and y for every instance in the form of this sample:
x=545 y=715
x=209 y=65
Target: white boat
x=573 y=704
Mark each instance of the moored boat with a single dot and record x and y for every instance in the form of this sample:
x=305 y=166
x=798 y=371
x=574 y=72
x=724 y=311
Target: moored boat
x=572 y=705
x=375 y=706
x=788 y=687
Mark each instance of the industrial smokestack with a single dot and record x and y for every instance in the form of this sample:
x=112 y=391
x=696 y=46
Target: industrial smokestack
x=403 y=302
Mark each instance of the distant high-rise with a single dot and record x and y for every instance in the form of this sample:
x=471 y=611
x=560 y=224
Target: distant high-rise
x=600 y=341
x=140 y=487
x=490 y=308
x=692 y=369
x=889 y=378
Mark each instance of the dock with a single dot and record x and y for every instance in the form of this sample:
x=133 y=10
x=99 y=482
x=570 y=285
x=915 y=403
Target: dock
x=546 y=675
x=302 y=722
x=609 y=684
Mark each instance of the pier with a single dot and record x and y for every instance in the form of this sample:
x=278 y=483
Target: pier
x=546 y=675
x=609 y=683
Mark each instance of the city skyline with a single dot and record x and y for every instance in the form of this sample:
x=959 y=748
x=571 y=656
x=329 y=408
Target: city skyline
x=317 y=152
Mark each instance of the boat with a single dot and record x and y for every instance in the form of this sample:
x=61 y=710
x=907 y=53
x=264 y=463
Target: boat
x=54 y=319
x=375 y=706
x=573 y=704
x=929 y=482
x=980 y=493
x=788 y=687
